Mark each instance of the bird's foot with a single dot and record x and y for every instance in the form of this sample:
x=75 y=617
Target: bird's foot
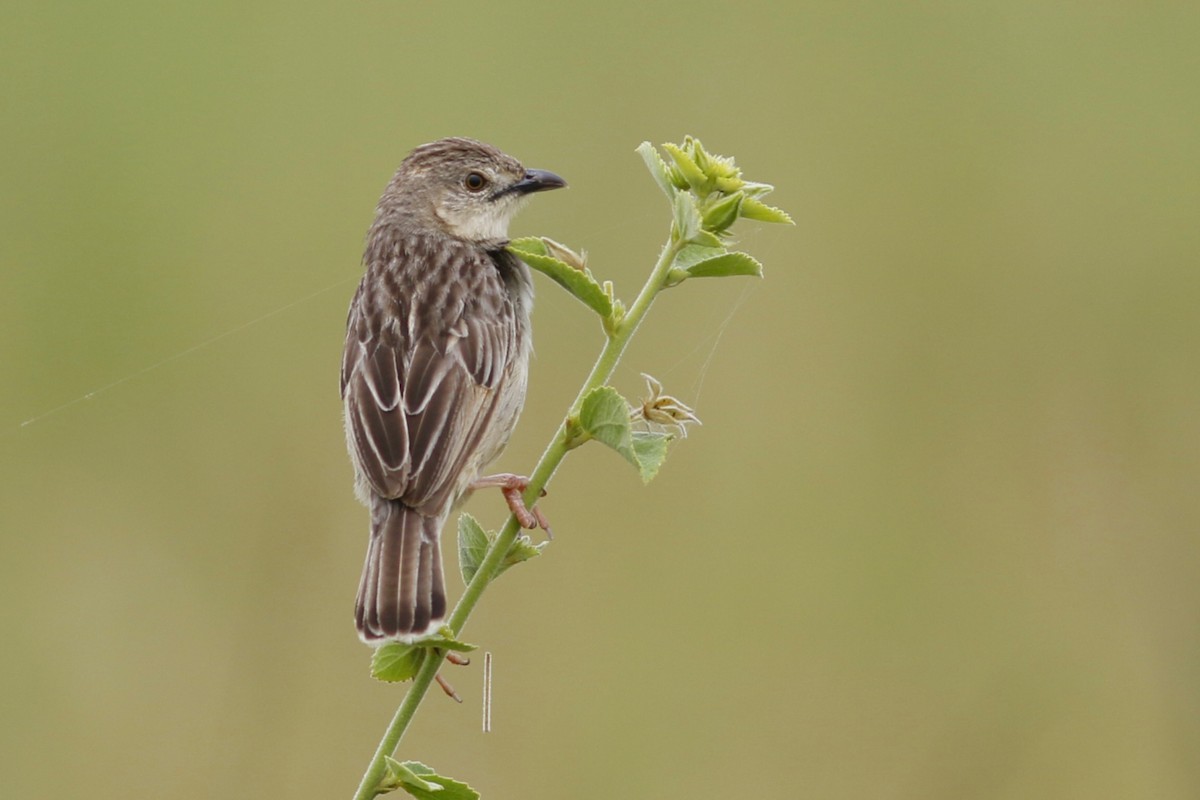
x=457 y=660
x=513 y=487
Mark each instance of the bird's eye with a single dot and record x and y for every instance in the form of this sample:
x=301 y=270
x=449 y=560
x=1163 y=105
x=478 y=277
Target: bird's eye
x=475 y=181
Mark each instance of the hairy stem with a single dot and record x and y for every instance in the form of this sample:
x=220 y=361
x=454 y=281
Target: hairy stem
x=556 y=451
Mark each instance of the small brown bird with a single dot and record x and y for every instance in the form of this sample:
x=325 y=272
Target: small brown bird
x=434 y=367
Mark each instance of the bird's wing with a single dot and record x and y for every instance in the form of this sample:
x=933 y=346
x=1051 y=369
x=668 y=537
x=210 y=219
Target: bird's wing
x=418 y=402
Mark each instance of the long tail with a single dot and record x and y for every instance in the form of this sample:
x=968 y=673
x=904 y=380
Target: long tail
x=402 y=594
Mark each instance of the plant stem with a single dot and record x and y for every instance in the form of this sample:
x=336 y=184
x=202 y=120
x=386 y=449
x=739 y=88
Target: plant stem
x=554 y=454
x=367 y=788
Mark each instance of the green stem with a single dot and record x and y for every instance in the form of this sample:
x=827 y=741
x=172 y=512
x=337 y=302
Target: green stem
x=554 y=454
x=369 y=785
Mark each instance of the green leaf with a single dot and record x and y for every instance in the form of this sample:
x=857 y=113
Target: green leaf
x=687 y=217
x=522 y=549
x=565 y=254
x=444 y=640
x=658 y=169
x=721 y=171
x=579 y=282
x=423 y=783
x=753 y=189
x=725 y=265
x=677 y=178
x=473 y=544
x=695 y=150
x=604 y=417
x=400 y=774
x=695 y=253
x=651 y=450
x=396 y=661
x=688 y=168
x=690 y=255
x=723 y=213
x=753 y=208
x=729 y=185
x=714 y=262
x=706 y=239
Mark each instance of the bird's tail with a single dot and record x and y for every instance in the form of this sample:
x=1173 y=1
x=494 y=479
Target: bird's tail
x=402 y=594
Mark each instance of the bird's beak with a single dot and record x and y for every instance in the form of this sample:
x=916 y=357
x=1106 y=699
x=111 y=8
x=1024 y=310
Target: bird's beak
x=537 y=180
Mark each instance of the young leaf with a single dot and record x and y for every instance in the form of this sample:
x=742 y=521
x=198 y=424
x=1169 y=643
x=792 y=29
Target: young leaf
x=723 y=172
x=579 y=282
x=725 y=265
x=651 y=450
x=522 y=549
x=472 y=546
x=674 y=277
x=691 y=173
x=565 y=254
x=605 y=417
x=444 y=640
x=695 y=150
x=423 y=783
x=396 y=661
x=729 y=185
x=658 y=168
x=399 y=774
x=695 y=253
x=687 y=217
x=753 y=208
x=753 y=189
x=723 y=213
x=707 y=239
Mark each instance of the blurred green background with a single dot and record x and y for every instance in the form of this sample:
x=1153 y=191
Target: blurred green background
x=937 y=538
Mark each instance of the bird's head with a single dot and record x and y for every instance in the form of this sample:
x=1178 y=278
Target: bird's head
x=462 y=188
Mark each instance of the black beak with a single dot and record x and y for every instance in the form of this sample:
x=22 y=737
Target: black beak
x=537 y=180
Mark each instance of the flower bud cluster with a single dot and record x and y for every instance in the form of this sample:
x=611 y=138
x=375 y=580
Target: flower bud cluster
x=722 y=195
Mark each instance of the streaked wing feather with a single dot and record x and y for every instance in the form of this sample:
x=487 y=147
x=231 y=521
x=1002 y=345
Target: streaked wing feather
x=378 y=426
x=456 y=409
x=484 y=352
x=417 y=410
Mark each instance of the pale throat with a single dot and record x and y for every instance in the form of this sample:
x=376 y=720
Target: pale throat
x=488 y=223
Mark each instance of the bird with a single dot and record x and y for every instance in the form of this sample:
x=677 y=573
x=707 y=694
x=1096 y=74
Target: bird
x=434 y=368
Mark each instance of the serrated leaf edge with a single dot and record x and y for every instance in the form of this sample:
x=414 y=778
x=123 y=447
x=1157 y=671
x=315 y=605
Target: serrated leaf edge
x=658 y=168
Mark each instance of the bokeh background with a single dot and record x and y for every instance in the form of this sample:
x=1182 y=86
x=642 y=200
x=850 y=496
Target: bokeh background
x=937 y=538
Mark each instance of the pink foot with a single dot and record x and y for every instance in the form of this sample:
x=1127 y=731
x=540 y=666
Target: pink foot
x=459 y=660
x=447 y=688
x=513 y=487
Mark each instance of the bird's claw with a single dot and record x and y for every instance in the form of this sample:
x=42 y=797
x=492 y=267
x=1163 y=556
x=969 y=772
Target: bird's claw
x=513 y=487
